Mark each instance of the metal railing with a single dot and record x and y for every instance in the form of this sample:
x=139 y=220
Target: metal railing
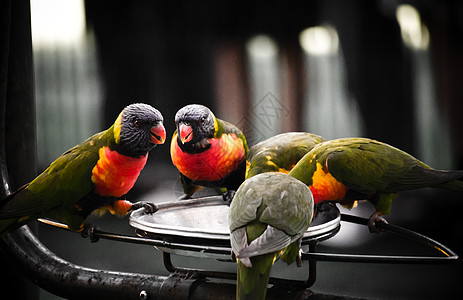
x=443 y=253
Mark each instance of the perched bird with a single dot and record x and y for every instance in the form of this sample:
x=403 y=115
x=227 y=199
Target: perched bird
x=352 y=169
x=280 y=153
x=207 y=151
x=268 y=217
x=93 y=175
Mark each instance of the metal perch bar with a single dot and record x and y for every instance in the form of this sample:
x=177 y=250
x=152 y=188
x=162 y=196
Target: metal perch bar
x=449 y=255
x=209 y=200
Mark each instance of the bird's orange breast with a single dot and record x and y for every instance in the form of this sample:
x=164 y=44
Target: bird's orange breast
x=115 y=174
x=325 y=186
x=224 y=155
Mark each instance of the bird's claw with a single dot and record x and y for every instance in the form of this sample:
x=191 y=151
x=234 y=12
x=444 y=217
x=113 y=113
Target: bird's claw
x=184 y=197
x=373 y=221
x=299 y=259
x=150 y=207
x=228 y=196
x=233 y=256
x=299 y=253
x=89 y=232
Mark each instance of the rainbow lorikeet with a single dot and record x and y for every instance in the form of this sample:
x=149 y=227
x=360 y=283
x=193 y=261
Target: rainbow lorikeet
x=268 y=217
x=207 y=151
x=352 y=169
x=280 y=153
x=92 y=175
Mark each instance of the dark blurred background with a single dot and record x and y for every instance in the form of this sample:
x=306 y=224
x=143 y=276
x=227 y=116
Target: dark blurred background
x=386 y=69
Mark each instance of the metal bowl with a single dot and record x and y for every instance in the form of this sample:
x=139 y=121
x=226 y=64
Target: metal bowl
x=199 y=227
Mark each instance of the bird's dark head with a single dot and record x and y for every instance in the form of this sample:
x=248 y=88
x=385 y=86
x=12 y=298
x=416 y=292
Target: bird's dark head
x=138 y=129
x=195 y=124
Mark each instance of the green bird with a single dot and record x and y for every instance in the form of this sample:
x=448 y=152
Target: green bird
x=352 y=169
x=280 y=153
x=95 y=174
x=268 y=217
x=207 y=151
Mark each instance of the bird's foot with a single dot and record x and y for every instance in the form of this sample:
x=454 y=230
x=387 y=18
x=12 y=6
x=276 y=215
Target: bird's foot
x=299 y=259
x=88 y=231
x=150 y=207
x=233 y=256
x=299 y=253
x=184 y=197
x=228 y=196
x=373 y=221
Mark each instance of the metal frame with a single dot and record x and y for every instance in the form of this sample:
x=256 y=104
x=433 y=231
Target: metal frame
x=312 y=256
x=72 y=281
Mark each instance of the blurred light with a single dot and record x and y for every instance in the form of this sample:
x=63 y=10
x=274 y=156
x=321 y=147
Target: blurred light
x=415 y=35
x=264 y=67
x=57 y=22
x=329 y=109
x=319 y=40
x=262 y=47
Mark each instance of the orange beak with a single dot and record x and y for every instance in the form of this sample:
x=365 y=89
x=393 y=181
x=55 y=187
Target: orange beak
x=186 y=133
x=158 y=134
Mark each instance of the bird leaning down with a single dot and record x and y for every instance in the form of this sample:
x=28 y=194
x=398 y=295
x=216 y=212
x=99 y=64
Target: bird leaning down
x=95 y=174
x=349 y=169
x=207 y=151
x=268 y=217
x=280 y=153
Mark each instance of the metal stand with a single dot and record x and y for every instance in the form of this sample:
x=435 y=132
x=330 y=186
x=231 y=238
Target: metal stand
x=69 y=280
x=312 y=255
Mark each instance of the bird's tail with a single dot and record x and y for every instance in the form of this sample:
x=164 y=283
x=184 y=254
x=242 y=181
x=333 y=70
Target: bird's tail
x=10 y=197
x=252 y=282
x=6 y=225
x=448 y=179
x=455 y=185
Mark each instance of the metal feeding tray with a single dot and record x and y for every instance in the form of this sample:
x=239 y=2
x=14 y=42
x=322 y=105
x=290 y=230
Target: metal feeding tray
x=199 y=227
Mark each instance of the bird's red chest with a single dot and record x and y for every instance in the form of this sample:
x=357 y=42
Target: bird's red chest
x=224 y=155
x=115 y=174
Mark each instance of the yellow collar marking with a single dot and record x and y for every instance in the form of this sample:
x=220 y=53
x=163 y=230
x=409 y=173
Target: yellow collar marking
x=117 y=128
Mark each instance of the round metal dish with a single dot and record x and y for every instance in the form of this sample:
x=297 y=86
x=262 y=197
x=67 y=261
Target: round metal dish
x=201 y=229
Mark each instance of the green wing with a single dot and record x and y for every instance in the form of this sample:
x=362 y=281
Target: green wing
x=369 y=166
x=280 y=153
x=61 y=185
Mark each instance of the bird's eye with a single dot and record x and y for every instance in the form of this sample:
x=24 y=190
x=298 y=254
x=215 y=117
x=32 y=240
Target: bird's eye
x=202 y=120
x=136 y=123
